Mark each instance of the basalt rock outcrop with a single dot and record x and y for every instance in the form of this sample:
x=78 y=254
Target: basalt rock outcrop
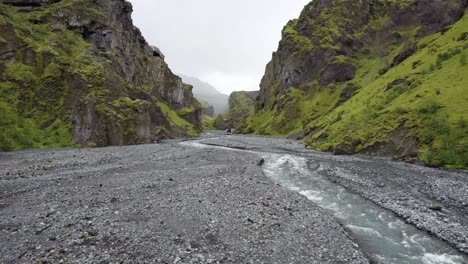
x=241 y=106
x=207 y=110
x=79 y=72
x=220 y=123
x=329 y=78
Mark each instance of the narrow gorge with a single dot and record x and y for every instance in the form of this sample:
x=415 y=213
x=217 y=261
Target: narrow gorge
x=352 y=148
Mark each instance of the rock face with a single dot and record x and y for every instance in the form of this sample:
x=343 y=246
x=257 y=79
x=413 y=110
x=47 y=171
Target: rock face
x=307 y=53
x=241 y=106
x=220 y=123
x=330 y=73
x=207 y=110
x=95 y=79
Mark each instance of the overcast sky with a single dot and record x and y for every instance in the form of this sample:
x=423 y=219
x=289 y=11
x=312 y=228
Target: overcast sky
x=224 y=42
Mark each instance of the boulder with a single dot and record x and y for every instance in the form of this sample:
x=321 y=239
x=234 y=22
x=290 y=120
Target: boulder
x=157 y=52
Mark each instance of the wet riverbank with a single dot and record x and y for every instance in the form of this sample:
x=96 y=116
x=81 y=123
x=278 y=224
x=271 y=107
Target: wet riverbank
x=165 y=203
x=432 y=200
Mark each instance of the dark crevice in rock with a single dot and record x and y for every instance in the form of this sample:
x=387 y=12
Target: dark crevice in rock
x=348 y=92
x=24 y=4
x=406 y=53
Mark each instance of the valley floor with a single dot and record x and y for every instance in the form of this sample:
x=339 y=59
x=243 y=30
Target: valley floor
x=177 y=203
x=433 y=200
x=165 y=203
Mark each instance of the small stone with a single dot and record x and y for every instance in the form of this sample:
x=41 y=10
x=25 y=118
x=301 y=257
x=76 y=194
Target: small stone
x=435 y=207
x=260 y=162
x=92 y=233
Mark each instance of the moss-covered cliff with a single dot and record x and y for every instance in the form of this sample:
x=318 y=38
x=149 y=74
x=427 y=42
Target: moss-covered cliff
x=77 y=72
x=375 y=77
x=241 y=106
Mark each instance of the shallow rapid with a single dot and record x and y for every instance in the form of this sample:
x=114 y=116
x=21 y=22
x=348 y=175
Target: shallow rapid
x=378 y=232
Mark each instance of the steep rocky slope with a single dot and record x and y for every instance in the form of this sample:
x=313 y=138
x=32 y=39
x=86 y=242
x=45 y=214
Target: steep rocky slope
x=79 y=72
x=207 y=115
x=241 y=107
x=207 y=110
x=206 y=92
x=375 y=77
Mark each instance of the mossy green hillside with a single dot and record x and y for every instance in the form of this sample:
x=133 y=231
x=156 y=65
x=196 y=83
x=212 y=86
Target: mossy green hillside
x=422 y=101
x=177 y=120
x=32 y=90
x=208 y=123
x=414 y=109
x=295 y=108
x=52 y=71
x=241 y=106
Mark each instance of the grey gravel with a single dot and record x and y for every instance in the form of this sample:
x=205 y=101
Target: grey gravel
x=165 y=203
x=433 y=200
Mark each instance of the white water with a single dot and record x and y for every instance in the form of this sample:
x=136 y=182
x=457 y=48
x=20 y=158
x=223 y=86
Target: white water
x=378 y=232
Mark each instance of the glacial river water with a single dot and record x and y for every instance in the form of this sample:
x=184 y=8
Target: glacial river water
x=378 y=232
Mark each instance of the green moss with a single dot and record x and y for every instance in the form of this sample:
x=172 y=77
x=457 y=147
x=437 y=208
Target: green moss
x=3 y=21
x=428 y=106
x=203 y=104
x=185 y=111
x=241 y=106
x=209 y=123
x=32 y=97
x=370 y=116
x=62 y=71
x=177 y=120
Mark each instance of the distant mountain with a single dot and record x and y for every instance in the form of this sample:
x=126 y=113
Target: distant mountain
x=208 y=93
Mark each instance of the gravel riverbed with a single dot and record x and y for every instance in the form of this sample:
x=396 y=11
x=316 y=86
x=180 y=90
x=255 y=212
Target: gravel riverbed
x=161 y=203
x=433 y=200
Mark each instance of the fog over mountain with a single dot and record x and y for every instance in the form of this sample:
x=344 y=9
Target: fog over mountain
x=207 y=92
x=225 y=43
